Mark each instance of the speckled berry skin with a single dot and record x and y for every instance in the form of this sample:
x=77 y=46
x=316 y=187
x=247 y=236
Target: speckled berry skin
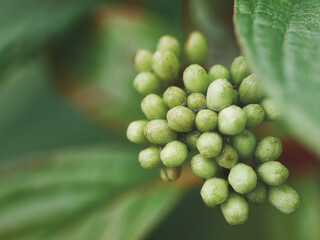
x=206 y=120
x=158 y=132
x=231 y=120
x=135 y=132
x=268 y=149
x=142 y=60
x=146 y=83
x=239 y=70
x=191 y=140
x=272 y=173
x=169 y=43
x=251 y=90
x=166 y=65
x=174 y=96
x=272 y=110
x=181 y=119
x=174 y=154
x=228 y=157
x=258 y=195
x=242 y=178
x=219 y=95
x=196 y=48
x=245 y=144
x=214 y=191
x=149 y=158
x=196 y=101
x=218 y=71
x=154 y=107
x=209 y=144
x=203 y=167
x=195 y=79
x=235 y=209
x=255 y=115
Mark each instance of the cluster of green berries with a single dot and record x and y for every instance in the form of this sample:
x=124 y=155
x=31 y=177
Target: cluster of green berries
x=206 y=118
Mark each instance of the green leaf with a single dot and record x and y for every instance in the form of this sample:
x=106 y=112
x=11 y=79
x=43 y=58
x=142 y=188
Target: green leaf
x=98 y=192
x=281 y=40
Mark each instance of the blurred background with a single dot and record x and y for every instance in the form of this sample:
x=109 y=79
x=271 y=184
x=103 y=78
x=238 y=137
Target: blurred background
x=66 y=98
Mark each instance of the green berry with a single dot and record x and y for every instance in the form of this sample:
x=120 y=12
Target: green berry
x=235 y=210
x=209 y=144
x=255 y=115
x=142 y=60
x=218 y=71
x=191 y=140
x=258 y=195
x=272 y=110
x=135 y=132
x=166 y=65
x=239 y=70
x=174 y=154
x=251 y=90
x=235 y=100
x=268 y=149
x=169 y=43
x=220 y=94
x=170 y=174
x=231 y=120
x=196 y=101
x=149 y=158
x=196 y=48
x=242 y=178
x=174 y=96
x=284 y=198
x=228 y=157
x=154 y=107
x=206 y=120
x=245 y=144
x=158 y=132
x=214 y=191
x=181 y=119
x=273 y=173
x=203 y=167
x=146 y=83
x=195 y=78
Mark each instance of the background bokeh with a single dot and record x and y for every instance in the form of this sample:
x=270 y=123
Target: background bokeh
x=66 y=98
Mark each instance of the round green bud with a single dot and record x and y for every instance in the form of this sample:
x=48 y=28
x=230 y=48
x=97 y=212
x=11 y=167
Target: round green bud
x=273 y=173
x=214 y=191
x=218 y=71
x=146 y=83
x=142 y=60
x=242 y=178
x=258 y=195
x=149 y=158
x=203 y=167
x=251 y=90
x=239 y=70
x=284 y=198
x=166 y=65
x=209 y=144
x=231 y=120
x=268 y=149
x=228 y=157
x=196 y=101
x=235 y=210
x=135 y=132
x=195 y=78
x=158 y=132
x=235 y=100
x=174 y=96
x=169 y=43
x=272 y=110
x=154 y=107
x=196 y=48
x=181 y=119
x=255 y=115
x=206 y=120
x=220 y=94
x=174 y=154
x=191 y=140
x=245 y=144
x=170 y=174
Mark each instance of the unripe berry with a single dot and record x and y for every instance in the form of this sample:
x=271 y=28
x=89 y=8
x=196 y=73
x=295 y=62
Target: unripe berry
x=214 y=191
x=181 y=119
x=235 y=210
x=206 y=120
x=158 y=132
x=174 y=154
x=170 y=174
x=149 y=158
x=166 y=65
x=220 y=94
x=250 y=90
x=245 y=144
x=284 y=198
x=255 y=115
x=258 y=195
x=154 y=107
x=191 y=140
x=209 y=144
x=242 y=178
x=231 y=120
x=228 y=157
x=239 y=70
x=146 y=83
x=203 y=167
x=169 y=43
x=196 y=101
x=135 y=132
x=273 y=173
x=218 y=71
x=235 y=100
x=142 y=60
x=195 y=78
x=174 y=96
x=272 y=110
x=196 y=48
x=268 y=149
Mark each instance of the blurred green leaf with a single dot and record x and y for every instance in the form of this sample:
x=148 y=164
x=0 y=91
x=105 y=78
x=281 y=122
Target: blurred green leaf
x=98 y=192
x=281 y=40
